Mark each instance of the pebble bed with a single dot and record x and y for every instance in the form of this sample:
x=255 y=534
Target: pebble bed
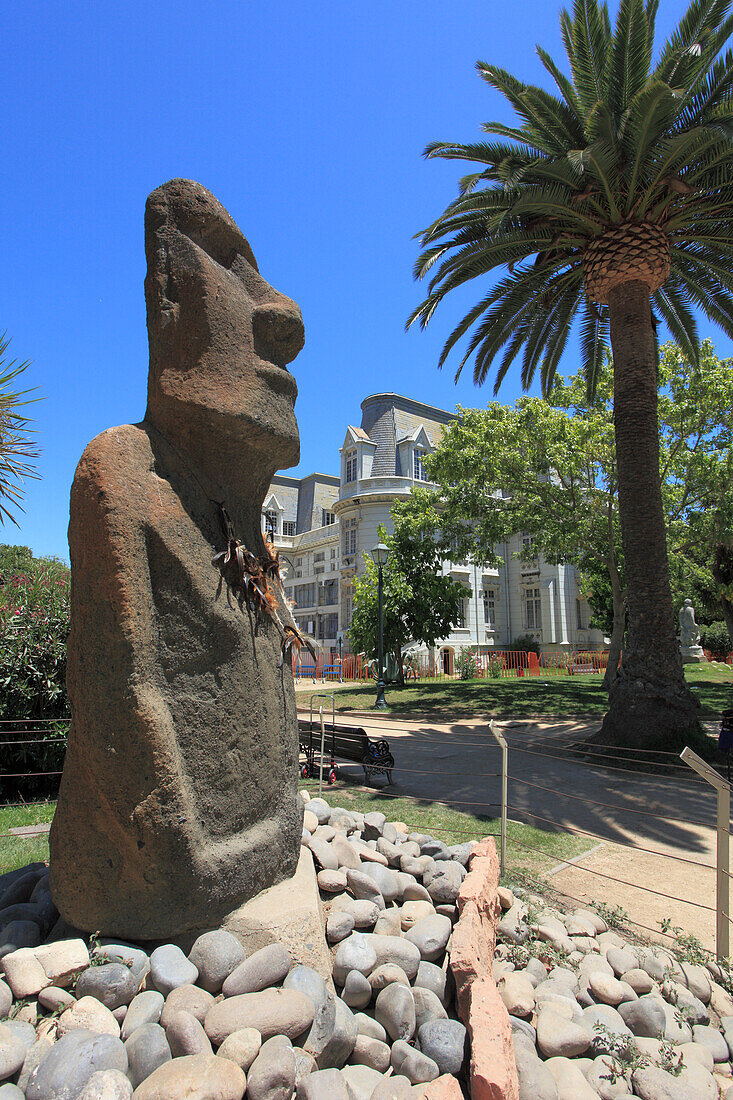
x=119 y=1021
x=595 y=1014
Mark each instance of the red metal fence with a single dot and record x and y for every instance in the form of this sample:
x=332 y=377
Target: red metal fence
x=496 y=663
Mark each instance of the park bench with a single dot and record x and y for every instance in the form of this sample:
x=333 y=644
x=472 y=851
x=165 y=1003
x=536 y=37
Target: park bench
x=344 y=743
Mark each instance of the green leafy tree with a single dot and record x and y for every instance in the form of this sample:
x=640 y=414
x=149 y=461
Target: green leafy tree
x=545 y=468
x=696 y=416
x=548 y=468
x=16 y=443
x=608 y=202
x=419 y=605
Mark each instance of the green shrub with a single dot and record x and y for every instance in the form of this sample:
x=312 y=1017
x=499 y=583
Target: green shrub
x=466 y=664
x=526 y=643
x=716 y=639
x=495 y=666
x=34 y=627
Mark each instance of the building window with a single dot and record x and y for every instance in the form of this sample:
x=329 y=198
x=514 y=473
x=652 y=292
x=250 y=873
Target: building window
x=488 y=597
x=528 y=546
x=298 y=561
x=288 y=526
x=334 y=552
x=327 y=626
x=328 y=593
x=463 y=611
x=533 y=608
x=320 y=556
x=327 y=518
x=305 y=595
x=348 y=537
x=270 y=524
x=351 y=466
x=418 y=466
x=347 y=611
x=580 y=612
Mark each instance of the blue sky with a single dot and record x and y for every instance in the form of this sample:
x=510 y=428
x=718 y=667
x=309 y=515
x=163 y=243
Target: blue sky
x=307 y=121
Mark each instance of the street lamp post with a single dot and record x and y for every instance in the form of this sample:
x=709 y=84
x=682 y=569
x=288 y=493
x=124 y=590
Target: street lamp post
x=380 y=554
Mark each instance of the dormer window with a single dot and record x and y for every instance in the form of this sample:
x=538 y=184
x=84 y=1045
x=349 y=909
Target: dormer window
x=418 y=466
x=350 y=466
x=270 y=524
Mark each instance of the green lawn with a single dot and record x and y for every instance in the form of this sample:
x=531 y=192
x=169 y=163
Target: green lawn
x=566 y=695
x=17 y=851
x=455 y=826
x=449 y=825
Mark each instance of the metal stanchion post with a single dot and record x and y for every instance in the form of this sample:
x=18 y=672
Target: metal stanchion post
x=323 y=739
x=722 y=891
x=501 y=741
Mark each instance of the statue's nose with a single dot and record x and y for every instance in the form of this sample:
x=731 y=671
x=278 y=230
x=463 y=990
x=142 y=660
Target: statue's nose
x=278 y=331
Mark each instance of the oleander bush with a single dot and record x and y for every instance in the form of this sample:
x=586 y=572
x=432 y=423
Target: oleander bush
x=466 y=664
x=34 y=627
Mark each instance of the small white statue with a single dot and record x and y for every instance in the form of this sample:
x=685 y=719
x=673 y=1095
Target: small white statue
x=689 y=634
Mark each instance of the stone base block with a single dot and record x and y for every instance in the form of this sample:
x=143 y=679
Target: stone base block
x=693 y=656
x=289 y=913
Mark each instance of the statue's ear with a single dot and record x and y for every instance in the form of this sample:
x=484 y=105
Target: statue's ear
x=161 y=292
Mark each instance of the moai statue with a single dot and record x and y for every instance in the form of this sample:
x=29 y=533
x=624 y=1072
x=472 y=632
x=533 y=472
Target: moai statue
x=179 y=795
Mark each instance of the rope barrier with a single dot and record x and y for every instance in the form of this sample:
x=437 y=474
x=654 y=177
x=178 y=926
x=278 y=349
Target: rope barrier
x=601 y=752
x=606 y=767
x=26 y=775
x=38 y=741
x=32 y=721
x=624 y=882
x=617 y=843
x=608 y=805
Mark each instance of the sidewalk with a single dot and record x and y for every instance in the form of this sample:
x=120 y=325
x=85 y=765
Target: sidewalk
x=670 y=814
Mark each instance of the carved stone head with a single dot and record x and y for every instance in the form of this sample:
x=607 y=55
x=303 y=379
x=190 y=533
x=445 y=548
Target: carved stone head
x=220 y=336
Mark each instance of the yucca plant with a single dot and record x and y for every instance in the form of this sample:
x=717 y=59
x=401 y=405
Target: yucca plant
x=610 y=202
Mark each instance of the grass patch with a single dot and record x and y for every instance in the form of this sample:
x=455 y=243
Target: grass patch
x=452 y=826
x=456 y=826
x=19 y=851
x=523 y=696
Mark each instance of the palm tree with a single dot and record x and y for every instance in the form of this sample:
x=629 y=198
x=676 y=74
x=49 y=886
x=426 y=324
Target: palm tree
x=16 y=444
x=611 y=201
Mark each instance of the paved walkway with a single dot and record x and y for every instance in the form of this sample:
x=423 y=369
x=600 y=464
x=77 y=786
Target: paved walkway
x=672 y=814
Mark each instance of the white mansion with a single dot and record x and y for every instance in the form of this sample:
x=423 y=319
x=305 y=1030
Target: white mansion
x=323 y=524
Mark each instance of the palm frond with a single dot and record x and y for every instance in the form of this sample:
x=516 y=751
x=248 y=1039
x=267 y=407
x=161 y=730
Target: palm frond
x=672 y=301
x=593 y=343
x=622 y=140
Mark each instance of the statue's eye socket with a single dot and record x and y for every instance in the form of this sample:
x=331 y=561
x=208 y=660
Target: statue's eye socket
x=278 y=333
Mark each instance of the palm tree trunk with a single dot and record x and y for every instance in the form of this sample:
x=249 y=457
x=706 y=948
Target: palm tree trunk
x=619 y=625
x=650 y=704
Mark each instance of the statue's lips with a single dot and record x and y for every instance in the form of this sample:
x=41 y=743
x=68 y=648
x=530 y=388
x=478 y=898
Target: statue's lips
x=278 y=379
